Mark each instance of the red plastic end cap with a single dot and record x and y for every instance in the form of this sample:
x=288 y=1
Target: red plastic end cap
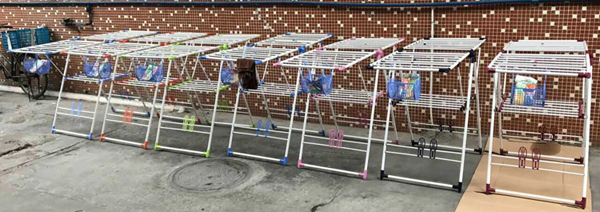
x=198 y=121
x=125 y=41
x=145 y=145
x=157 y=115
x=64 y=53
x=165 y=43
x=106 y=56
x=586 y=75
x=490 y=70
x=581 y=203
x=101 y=137
x=591 y=57
x=489 y=189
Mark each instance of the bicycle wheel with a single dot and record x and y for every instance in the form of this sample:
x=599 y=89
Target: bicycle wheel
x=32 y=84
x=36 y=85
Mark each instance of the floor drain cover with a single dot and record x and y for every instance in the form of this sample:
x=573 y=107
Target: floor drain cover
x=210 y=175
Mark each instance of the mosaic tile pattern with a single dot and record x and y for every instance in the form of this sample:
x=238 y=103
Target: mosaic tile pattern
x=498 y=23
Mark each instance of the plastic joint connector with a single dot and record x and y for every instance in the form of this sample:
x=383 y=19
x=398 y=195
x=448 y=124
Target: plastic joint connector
x=458 y=187
x=53 y=129
x=581 y=203
x=479 y=150
x=444 y=70
x=400 y=49
x=382 y=175
x=257 y=62
x=89 y=137
x=489 y=189
x=413 y=143
x=363 y=175
x=322 y=132
x=300 y=164
x=229 y=152
x=284 y=161
x=490 y=70
x=369 y=67
x=585 y=75
x=579 y=160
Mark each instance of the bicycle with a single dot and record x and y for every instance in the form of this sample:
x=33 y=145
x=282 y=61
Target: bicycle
x=11 y=64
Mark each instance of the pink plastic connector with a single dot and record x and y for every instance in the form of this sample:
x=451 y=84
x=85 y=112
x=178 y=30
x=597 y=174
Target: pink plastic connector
x=332 y=137
x=340 y=68
x=340 y=138
x=300 y=164
x=379 y=54
x=277 y=64
x=363 y=175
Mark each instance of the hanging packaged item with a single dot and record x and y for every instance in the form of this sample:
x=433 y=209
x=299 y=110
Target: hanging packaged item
x=409 y=87
x=317 y=83
x=151 y=72
x=97 y=68
x=247 y=73
x=526 y=92
x=229 y=76
x=36 y=65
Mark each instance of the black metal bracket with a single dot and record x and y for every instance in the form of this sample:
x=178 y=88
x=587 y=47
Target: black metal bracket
x=71 y=22
x=382 y=175
x=458 y=187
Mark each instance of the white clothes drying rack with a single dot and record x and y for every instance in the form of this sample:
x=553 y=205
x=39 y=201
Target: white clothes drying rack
x=339 y=57
x=168 y=38
x=194 y=87
x=177 y=57
x=399 y=62
x=260 y=55
x=123 y=35
x=433 y=101
x=569 y=59
x=108 y=51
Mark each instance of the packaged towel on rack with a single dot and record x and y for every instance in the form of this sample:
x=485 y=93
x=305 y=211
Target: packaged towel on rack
x=97 y=69
x=526 y=92
x=229 y=76
x=317 y=83
x=247 y=73
x=408 y=87
x=152 y=72
x=37 y=66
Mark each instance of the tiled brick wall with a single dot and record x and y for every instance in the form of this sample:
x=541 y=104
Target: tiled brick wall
x=498 y=23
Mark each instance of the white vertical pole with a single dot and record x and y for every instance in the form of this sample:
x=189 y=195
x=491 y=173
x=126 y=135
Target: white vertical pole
x=387 y=127
x=156 y=88
x=62 y=85
x=466 y=129
x=304 y=129
x=109 y=97
x=477 y=99
x=214 y=115
x=235 y=109
x=491 y=136
x=162 y=106
x=371 y=121
x=586 y=136
x=287 y=145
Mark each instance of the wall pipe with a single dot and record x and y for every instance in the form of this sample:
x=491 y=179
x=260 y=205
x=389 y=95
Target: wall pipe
x=266 y=3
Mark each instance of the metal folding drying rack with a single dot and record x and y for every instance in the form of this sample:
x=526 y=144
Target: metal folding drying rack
x=177 y=56
x=557 y=58
x=339 y=57
x=407 y=61
x=194 y=87
x=263 y=52
x=107 y=50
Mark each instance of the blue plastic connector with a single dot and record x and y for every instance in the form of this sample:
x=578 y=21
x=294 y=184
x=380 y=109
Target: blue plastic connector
x=284 y=161
x=288 y=33
x=301 y=49
x=273 y=126
x=322 y=132
x=202 y=57
x=47 y=53
x=148 y=113
x=257 y=62
x=229 y=152
x=251 y=45
x=89 y=137
x=113 y=109
x=53 y=129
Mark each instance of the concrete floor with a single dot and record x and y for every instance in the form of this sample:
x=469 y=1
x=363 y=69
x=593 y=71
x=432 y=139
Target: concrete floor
x=40 y=171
